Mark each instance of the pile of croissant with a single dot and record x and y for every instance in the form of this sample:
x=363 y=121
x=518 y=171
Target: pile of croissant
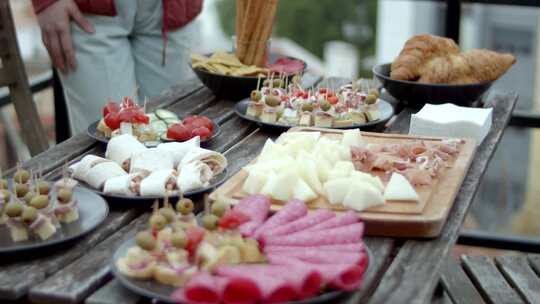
x=433 y=59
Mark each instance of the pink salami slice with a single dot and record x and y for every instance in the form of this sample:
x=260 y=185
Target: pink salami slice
x=273 y=289
x=257 y=208
x=292 y=211
x=349 y=217
x=352 y=247
x=307 y=282
x=339 y=235
x=322 y=257
x=202 y=288
x=311 y=219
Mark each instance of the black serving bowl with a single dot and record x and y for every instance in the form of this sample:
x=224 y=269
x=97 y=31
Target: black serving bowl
x=234 y=87
x=416 y=95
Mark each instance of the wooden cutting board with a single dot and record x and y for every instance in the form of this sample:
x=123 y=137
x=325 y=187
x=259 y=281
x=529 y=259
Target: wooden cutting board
x=394 y=218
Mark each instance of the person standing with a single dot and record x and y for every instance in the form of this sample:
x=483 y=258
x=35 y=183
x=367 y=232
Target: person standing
x=105 y=49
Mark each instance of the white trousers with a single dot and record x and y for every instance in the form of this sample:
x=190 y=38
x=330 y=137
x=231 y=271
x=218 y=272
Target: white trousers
x=124 y=54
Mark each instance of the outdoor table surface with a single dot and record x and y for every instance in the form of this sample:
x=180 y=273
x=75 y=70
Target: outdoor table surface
x=406 y=270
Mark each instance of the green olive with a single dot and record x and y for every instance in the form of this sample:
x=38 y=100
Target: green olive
x=210 y=221
x=325 y=105
x=307 y=107
x=184 y=206
x=179 y=239
x=168 y=213
x=14 y=209
x=3 y=184
x=277 y=83
x=29 y=196
x=371 y=99
x=255 y=95
x=266 y=83
x=43 y=187
x=29 y=215
x=64 y=195
x=21 y=189
x=40 y=201
x=145 y=240
x=272 y=101
x=21 y=176
x=5 y=194
x=157 y=221
x=374 y=92
x=219 y=208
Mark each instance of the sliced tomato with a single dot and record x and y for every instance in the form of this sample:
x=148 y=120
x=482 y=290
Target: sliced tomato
x=202 y=132
x=232 y=219
x=179 y=132
x=110 y=107
x=195 y=235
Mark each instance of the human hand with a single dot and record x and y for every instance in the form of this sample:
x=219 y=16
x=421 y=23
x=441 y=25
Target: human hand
x=54 y=22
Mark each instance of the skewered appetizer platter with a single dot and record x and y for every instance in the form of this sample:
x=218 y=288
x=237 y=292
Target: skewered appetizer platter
x=37 y=213
x=396 y=181
x=151 y=129
x=277 y=103
x=241 y=254
x=131 y=170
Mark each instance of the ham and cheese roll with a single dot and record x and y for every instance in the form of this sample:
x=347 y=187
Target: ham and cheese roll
x=215 y=160
x=194 y=175
x=180 y=149
x=127 y=184
x=121 y=148
x=151 y=160
x=101 y=172
x=81 y=168
x=156 y=183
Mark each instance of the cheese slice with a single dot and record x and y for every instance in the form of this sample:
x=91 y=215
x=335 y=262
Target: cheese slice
x=323 y=168
x=308 y=172
x=303 y=192
x=368 y=178
x=337 y=189
x=341 y=169
x=255 y=181
x=280 y=186
x=352 y=138
x=399 y=189
x=362 y=195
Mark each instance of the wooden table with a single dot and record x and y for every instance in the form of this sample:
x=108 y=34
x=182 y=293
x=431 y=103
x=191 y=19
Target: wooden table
x=406 y=270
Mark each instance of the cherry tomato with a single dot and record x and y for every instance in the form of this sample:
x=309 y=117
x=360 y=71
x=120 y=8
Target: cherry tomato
x=188 y=120
x=127 y=102
x=207 y=123
x=333 y=100
x=112 y=120
x=202 y=132
x=305 y=95
x=232 y=219
x=133 y=115
x=179 y=132
x=323 y=90
x=195 y=235
x=111 y=106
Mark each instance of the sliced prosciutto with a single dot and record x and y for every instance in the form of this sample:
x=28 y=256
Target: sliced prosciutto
x=311 y=219
x=339 y=235
x=292 y=211
x=286 y=66
x=201 y=288
x=349 y=217
x=307 y=282
x=257 y=208
x=272 y=289
x=353 y=247
x=321 y=257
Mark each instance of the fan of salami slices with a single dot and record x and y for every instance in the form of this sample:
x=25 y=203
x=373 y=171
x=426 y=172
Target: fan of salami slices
x=244 y=255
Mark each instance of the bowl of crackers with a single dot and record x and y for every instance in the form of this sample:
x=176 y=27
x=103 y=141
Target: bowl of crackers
x=228 y=78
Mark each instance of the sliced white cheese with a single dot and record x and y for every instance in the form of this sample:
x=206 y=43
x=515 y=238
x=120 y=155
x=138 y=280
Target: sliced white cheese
x=303 y=192
x=341 y=169
x=281 y=185
x=352 y=138
x=399 y=189
x=308 y=172
x=323 y=168
x=255 y=181
x=368 y=178
x=362 y=195
x=306 y=136
x=337 y=189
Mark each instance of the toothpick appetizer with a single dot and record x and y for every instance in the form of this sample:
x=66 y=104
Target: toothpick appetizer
x=17 y=229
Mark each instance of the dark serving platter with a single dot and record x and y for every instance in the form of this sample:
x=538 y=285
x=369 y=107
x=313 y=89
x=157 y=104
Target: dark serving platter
x=97 y=135
x=235 y=87
x=385 y=108
x=215 y=182
x=93 y=210
x=416 y=95
x=160 y=292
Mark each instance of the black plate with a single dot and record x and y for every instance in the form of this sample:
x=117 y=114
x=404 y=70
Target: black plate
x=95 y=134
x=234 y=87
x=385 y=109
x=214 y=182
x=416 y=94
x=160 y=292
x=93 y=211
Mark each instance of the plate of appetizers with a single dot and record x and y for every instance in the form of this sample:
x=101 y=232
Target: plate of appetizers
x=153 y=128
x=130 y=170
x=243 y=252
x=36 y=213
x=280 y=105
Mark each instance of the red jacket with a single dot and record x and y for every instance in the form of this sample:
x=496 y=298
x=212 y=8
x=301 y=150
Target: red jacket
x=176 y=13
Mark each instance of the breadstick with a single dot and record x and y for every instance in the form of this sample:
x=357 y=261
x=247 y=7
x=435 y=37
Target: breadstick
x=252 y=37
x=240 y=10
x=251 y=15
x=271 y=8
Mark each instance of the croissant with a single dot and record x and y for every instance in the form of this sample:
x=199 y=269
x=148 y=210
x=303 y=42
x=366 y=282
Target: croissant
x=473 y=66
x=418 y=50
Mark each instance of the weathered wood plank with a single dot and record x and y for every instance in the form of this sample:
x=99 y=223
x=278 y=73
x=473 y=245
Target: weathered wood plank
x=423 y=259
x=489 y=280
x=76 y=281
x=534 y=259
x=113 y=293
x=175 y=94
x=519 y=274
x=444 y=298
x=457 y=284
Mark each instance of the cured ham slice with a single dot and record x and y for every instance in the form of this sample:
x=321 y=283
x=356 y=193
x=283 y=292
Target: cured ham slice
x=353 y=247
x=202 y=288
x=340 y=235
x=292 y=211
x=121 y=148
x=349 y=217
x=302 y=223
x=257 y=208
x=180 y=149
x=306 y=282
